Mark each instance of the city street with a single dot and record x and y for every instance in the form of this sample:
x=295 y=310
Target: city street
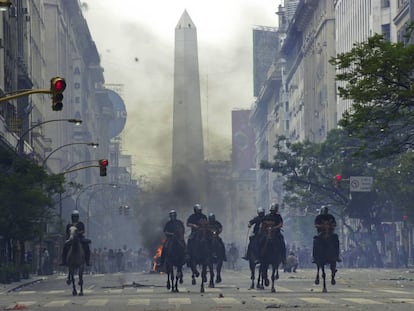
x=364 y=289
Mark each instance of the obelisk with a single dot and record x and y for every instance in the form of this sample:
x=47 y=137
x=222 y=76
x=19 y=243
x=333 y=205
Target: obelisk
x=187 y=148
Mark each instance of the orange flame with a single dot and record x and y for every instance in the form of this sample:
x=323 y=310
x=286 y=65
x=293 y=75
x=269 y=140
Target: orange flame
x=156 y=256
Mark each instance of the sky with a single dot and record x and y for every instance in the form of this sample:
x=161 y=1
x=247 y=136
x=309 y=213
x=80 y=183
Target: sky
x=135 y=41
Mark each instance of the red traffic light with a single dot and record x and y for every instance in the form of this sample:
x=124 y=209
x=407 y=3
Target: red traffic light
x=338 y=177
x=57 y=86
x=60 y=85
x=103 y=162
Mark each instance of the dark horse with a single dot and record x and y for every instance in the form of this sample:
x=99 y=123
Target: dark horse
x=218 y=253
x=75 y=260
x=174 y=257
x=270 y=252
x=201 y=255
x=324 y=246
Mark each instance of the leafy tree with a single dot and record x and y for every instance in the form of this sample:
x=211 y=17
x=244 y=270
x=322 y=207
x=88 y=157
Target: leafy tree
x=309 y=170
x=377 y=75
x=25 y=198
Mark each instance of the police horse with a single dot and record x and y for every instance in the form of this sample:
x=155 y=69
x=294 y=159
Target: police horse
x=201 y=255
x=174 y=258
x=270 y=253
x=75 y=260
x=325 y=254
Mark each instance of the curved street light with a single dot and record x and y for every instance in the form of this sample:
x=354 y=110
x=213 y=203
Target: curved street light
x=94 y=145
x=77 y=163
x=76 y=121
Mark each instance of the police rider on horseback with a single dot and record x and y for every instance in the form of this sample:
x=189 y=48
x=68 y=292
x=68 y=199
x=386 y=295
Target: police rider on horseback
x=80 y=226
x=194 y=221
x=174 y=227
x=216 y=227
x=276 y=221
x=326 y=223
x=256 y=221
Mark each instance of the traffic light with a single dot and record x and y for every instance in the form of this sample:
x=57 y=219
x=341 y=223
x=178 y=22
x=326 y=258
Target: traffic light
x=103 y=163
x=337 y=181
x=57 y=86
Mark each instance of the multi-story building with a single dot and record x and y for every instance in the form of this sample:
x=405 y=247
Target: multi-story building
x=41 y=39
x=356 y=20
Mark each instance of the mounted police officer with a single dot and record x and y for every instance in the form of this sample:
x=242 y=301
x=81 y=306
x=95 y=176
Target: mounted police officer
x=174 y=227
x=81 y=231
x=276 y=221
x=326 y=223
x=194 y=221
x=216 y=227
x=256 y=221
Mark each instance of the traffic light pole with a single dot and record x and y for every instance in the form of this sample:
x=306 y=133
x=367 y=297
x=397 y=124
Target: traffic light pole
x=25 y=93
x=79 y=168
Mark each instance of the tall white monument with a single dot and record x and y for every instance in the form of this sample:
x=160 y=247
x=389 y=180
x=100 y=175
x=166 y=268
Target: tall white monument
x=188 y=150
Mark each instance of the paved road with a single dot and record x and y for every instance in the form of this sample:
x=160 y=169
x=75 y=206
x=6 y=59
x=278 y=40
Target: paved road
x=355 y=290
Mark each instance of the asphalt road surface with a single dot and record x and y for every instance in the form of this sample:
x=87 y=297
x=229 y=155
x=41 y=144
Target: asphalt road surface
x=364 y=289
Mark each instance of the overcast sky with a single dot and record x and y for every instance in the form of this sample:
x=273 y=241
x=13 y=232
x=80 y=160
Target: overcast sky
x=136 y=43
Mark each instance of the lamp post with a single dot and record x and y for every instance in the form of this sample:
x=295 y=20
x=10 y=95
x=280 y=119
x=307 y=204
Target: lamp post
x=76 y=121
x=94 y=145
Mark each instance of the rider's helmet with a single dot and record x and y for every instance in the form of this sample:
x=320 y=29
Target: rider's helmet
x=324 y=210
x=173 y=214
x=260 y=211
x=274 y=207
x=197 y=208
x=211 y=217
x=75 y=215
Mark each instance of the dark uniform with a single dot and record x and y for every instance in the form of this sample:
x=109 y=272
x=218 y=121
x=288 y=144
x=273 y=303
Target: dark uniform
x=217 y=227
x=193 y=221
x=276 y=220
x=252 y=248
x=325 y=221
x=173 y=227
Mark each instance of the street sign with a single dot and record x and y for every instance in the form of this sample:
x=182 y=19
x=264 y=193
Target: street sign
x=360 y=183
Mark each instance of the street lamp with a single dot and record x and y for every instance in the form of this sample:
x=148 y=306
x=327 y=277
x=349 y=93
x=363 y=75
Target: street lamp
x=94 y=145
x=5 y=5
x=76 y=121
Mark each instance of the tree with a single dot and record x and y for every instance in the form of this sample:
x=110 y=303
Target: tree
x=25 y=198
x=309 y=170
x=377 y=75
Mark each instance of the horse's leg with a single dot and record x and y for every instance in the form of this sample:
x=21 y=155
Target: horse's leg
x=218 y=271
x=324 y=279
x=193 y=274
x=81 y=280
x=68 y=279
x=74 y=291
x=333 y=272
x=211 y=268
x=180 y=273
x=173 y=284
x=264 y=275
x=274 y=269
x=203 y=277
x=252 y=267
x=317 y=273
